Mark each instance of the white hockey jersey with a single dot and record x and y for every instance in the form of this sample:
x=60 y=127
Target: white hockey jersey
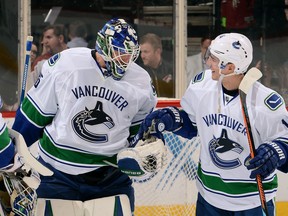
x=86 y=116
x=223 y=180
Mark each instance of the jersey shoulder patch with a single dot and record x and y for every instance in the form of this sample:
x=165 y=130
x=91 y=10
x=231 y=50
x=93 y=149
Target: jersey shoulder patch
x=273 y=101
x=198 y=77
x=52 y=61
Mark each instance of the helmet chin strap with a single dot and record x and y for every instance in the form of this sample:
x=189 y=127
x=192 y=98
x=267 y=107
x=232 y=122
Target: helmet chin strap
x=220 y=87
x=225 y=75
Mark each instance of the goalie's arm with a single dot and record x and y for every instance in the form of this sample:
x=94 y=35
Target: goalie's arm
x=29 y=131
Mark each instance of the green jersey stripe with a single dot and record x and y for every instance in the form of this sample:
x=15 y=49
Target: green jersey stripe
x=4 y=139
x=237 y=187
x=34 y=115
x=74 y=156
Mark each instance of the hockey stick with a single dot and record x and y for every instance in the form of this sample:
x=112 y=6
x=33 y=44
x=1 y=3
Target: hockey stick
x=249 y=79
x=21 y=144
x=26 y=66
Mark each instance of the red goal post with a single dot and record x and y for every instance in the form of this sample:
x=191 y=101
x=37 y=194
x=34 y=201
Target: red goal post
x=165 y=102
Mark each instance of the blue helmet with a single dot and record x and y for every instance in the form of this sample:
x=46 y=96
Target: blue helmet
x=117 y=43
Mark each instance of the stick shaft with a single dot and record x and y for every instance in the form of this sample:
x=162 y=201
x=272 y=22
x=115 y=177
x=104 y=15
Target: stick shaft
x=252 y=151
x=26 y=66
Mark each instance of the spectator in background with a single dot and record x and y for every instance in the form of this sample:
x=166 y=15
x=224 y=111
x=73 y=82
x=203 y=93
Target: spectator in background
x=34 y=53
x=195 y=63
x=6 y=107
x=77 y=34
x=54 y=41
x=161 y=71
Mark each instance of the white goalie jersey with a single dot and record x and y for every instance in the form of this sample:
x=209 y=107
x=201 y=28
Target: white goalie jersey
x=90 y=114
x=223 y=180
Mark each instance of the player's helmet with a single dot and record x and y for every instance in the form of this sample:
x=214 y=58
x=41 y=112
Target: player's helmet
x=117 y=43
x=232 y=48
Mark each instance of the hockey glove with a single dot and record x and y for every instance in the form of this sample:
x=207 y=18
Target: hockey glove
x=144 y=160
x=164 y=119
x=269 y=156
x=24 y=171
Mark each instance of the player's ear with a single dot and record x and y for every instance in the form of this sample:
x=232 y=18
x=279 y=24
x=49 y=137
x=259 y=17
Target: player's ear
x=230 y=67
x=61 y=38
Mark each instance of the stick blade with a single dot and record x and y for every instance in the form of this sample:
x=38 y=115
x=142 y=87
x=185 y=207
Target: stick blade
x=250 y=77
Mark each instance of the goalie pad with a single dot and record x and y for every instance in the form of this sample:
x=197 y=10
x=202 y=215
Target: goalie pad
x=118 y=205
x=143 y=161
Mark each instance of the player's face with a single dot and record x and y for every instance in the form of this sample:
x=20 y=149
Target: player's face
x=213 y=63
x=122 y=60
x=122 y=57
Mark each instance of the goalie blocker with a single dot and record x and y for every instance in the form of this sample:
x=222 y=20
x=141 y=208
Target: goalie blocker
x=144 y=160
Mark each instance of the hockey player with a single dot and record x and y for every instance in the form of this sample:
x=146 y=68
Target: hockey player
x=83 y=108
x=211 y=107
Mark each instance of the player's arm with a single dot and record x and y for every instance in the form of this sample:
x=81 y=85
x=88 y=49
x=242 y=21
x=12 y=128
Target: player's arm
x=38 y=107
x=170 y=119
x=272 y=154
x=6 y=146
x=23 y=125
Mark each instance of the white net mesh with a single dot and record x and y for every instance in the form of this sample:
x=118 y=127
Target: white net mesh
x=172 y=191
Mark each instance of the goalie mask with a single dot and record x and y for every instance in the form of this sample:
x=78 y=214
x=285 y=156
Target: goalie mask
x=22 y=197
x=117 y=43
x=232 y=48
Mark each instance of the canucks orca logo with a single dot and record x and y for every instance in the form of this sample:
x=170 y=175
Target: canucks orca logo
x=222 y=145
x=92 y=117
x=236 y=45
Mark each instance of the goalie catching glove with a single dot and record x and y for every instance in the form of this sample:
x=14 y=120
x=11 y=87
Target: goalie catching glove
x=144 y=160
x=269 y=156
x=168 y=119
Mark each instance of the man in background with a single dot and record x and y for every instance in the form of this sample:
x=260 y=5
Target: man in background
x=161 y=71
x=77 y=34
x=53 y=41
x=195 y=63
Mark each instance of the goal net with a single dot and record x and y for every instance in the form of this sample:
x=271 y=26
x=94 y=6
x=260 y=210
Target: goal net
x=172 y=191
